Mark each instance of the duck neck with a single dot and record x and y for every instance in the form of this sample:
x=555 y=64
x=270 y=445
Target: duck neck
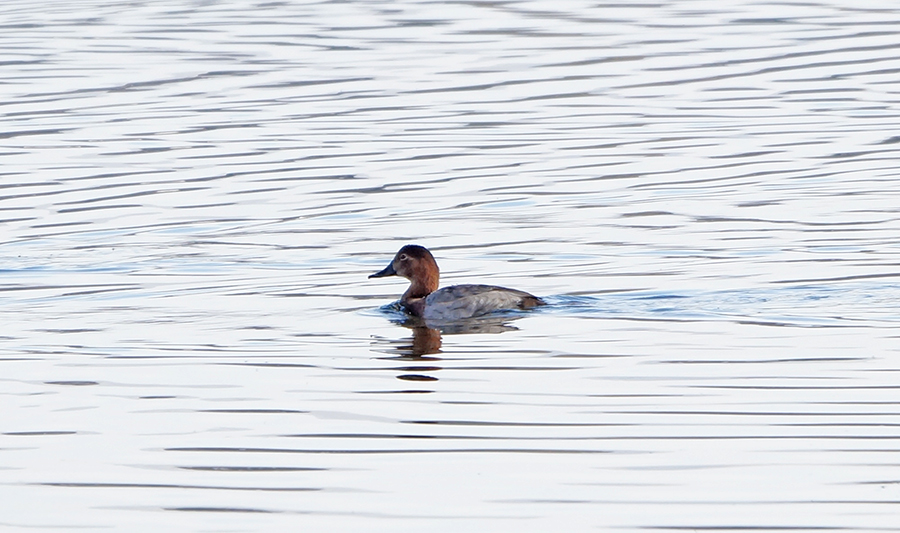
x=414 y=297
x=420 y=287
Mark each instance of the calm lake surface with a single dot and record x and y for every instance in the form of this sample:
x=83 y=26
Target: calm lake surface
x=193 y=194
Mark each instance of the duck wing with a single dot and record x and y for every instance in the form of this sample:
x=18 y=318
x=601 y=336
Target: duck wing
x=465 y=301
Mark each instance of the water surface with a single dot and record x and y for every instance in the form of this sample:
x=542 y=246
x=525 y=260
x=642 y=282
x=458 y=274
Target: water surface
x=193 y=195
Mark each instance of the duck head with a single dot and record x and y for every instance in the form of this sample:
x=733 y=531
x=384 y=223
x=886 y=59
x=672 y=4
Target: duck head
x=416 y=264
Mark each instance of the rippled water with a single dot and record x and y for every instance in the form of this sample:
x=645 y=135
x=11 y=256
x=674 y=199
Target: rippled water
x=706 y=193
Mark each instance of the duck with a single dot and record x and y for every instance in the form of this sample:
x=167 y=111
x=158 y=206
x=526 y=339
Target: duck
x=423 y=299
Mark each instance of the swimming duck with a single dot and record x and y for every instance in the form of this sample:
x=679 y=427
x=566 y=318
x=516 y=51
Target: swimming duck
x=423 y=299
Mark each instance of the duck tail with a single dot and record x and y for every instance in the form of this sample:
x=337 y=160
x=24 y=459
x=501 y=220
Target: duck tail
x=531 y=301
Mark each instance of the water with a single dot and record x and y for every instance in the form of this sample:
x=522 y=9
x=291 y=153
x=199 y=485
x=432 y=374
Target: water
x=193 y=194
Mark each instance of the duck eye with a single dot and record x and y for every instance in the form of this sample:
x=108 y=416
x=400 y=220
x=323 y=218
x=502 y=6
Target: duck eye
x=403 y=257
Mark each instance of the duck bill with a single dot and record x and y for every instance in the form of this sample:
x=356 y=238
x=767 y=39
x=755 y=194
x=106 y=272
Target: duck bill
x=389 y=271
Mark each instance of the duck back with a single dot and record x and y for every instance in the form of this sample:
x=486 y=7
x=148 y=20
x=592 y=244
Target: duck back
x=464 y=301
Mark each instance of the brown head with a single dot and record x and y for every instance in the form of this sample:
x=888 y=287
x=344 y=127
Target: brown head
x=416 y=264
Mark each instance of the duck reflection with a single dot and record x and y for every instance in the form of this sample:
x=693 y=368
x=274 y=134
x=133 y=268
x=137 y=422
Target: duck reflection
x=426 y=340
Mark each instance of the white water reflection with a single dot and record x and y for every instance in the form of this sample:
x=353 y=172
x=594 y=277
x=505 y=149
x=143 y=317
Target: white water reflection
x=193 y=194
